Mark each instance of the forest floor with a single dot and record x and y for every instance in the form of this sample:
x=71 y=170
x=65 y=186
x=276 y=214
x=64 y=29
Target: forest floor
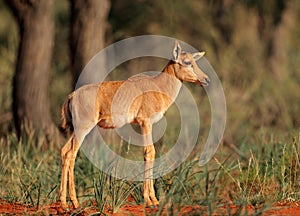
x=286 y=208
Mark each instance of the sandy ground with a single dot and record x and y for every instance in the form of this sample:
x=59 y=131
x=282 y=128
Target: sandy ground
x=292 y=208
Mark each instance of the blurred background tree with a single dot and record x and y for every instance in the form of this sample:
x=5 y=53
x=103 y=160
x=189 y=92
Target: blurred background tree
x=88 y=30
x=253 y=46
x=31 y=106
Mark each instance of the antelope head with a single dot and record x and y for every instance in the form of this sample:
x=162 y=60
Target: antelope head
x=186 y=67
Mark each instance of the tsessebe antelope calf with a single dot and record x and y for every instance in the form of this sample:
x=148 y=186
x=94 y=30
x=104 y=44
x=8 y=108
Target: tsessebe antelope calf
x=140 y=100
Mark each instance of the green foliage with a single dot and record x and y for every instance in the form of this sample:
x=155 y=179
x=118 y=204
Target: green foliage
x=119 y=190
x=269 y=172
x=28 y=171
x=253 y=45
x=99 y=188
x=266 y=170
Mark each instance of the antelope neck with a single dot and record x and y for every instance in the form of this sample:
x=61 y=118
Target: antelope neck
x=168 y=81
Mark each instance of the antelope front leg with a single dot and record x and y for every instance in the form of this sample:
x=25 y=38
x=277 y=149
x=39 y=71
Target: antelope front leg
x=148 y=187
x=149 y=157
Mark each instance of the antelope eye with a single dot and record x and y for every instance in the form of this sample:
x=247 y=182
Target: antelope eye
x=188 y=63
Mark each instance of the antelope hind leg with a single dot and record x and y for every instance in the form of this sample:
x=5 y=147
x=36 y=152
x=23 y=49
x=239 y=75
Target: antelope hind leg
x=72 y=189
x=64 y=173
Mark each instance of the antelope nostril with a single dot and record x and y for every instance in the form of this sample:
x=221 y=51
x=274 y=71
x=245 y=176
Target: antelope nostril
x=207 y=80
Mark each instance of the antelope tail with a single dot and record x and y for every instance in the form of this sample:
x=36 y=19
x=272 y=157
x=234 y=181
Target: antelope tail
x=66 y=115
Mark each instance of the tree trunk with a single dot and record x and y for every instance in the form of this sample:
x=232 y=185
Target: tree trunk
x=31 y=80
x=88 y=27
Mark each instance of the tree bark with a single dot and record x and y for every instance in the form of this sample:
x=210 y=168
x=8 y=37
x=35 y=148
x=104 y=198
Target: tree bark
x=31 y=106
x=88 y=28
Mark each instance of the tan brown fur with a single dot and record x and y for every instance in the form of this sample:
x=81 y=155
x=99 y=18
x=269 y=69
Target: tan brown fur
x=140 y=99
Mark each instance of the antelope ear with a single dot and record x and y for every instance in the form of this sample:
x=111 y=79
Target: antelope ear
x=198 y=55
x=176 y=51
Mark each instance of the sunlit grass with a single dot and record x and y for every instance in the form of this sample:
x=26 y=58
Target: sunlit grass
x=267 y=172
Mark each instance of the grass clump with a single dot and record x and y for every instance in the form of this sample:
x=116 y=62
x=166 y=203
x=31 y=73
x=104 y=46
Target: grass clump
x=269 y=173
x=266 y=169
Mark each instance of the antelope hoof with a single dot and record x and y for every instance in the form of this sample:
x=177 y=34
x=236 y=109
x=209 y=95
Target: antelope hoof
x=151 y=202
x=65 y=206
x=75 y=203
x=154 y=201
x=148 y=202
